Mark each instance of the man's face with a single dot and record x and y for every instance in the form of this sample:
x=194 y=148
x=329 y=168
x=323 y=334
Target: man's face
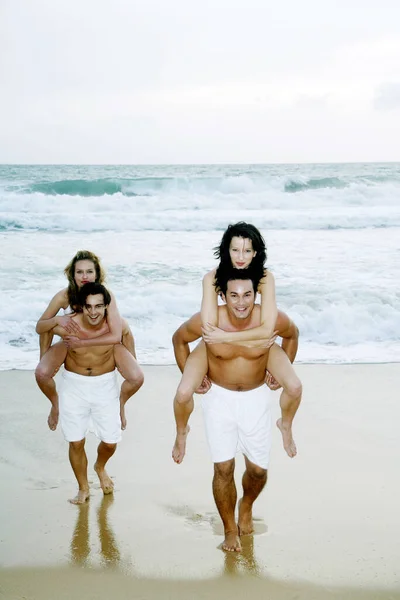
x=94 y=310
x=240 y=298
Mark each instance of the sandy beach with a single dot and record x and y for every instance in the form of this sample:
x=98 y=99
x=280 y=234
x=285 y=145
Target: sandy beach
x=327 y=523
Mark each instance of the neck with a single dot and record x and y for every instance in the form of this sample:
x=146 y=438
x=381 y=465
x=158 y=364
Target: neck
x=97 y=327
x=239 y=324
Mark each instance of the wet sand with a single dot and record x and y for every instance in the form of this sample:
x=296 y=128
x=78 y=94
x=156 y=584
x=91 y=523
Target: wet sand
x=327 y=524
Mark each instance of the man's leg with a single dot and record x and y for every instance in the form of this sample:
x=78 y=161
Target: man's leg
x=224 y=490
x=45 y=371
x=253 y=482
x=78 y=460
x=193 y=374
x=104 y=453
x=132 y=374
x=282 y=369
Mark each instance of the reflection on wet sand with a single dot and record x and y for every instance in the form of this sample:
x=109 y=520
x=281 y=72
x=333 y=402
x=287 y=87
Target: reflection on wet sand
x=109 y=550
x=244 y=562
x=235 y=563
x=80 y=548
x=80 y=544
x=242 y=573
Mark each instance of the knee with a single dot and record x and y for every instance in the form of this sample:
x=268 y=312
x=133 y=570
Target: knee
x=138 y=379
x=257 y=473
x=109 y=447
x=183 y=394
x=295 y=388
x=77 y=446
x=42 y=373
x=135 y=379
x=225 y=470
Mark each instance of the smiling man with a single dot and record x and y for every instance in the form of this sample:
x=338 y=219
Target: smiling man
x=89 y=391
x=236 y=408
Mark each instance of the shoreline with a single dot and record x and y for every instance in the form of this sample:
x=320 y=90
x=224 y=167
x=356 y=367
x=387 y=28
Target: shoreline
x=296 y=364
x=326 y=525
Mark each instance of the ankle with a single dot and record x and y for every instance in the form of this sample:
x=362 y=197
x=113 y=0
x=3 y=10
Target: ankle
x=231 y=530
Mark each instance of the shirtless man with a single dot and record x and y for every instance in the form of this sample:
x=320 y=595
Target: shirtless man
x=236 y=407
x=89 y=391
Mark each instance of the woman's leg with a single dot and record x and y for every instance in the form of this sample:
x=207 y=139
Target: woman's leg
x=282 y=370
x=49 y=364
x=195 y=370
x=132 y=374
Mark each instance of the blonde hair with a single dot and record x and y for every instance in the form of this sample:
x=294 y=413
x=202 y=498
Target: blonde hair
x=69 y=272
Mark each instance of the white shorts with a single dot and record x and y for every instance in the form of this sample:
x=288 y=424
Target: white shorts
x=90 y=403
x=238 y=421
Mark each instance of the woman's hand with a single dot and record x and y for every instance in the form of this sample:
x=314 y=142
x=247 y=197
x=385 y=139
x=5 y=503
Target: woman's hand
x=67 y=323
x=268 y=342
x=271 y=382
x=71 y=341
x=204 y=386
x=213 y=335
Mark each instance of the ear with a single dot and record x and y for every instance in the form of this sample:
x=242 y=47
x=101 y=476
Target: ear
x=255 y=252
x=223 y=297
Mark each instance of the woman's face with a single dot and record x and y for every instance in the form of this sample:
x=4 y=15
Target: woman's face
x=241 y=252
x=85 y=272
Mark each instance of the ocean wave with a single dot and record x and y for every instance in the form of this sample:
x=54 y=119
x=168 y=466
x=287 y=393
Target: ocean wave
x=141 y=186
x=78 y=187
x=293 y=185
x=245 y=183
x=193 y=220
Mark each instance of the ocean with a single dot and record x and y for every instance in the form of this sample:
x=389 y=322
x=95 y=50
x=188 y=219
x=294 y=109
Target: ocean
x=332 y=234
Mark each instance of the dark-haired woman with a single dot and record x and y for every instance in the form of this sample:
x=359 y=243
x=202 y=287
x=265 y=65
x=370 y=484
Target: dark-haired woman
x=242 y=246
x=85 y=267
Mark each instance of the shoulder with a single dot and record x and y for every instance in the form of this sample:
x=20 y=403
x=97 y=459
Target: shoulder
x=210 y=276
x=268 y=279
x=190 y=328
x=62 y=298
x=125 y=326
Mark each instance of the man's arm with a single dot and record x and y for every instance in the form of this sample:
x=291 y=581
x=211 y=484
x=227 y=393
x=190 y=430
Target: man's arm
x=289 y=333
x=127 y=338
x=190 y=331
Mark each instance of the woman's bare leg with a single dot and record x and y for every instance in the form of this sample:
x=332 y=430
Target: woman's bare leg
x=195 y=370
x=45 y=371
x=133 y=377
x=282 y=370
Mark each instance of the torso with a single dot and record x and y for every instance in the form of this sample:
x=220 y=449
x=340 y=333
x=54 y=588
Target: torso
x=237 y=368
x=91 y=360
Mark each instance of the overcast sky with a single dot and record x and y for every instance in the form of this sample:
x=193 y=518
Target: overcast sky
x=199 y=81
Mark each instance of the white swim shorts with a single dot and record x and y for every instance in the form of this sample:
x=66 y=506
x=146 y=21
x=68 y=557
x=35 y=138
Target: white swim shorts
x=90 y=403
x=238 y=422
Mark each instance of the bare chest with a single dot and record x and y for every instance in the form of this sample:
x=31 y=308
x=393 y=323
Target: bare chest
x=230 y=352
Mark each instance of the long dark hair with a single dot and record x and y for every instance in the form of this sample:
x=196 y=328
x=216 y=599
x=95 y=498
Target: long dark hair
x=246 y=231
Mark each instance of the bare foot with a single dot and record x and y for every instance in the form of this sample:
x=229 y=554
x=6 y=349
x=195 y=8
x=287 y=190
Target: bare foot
x=52 y=419
x=106 y=483
x=178 y=451
x=245 y=521
x=288 y=441
x=81 y=497
x=122 y=416
x=231 y=542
